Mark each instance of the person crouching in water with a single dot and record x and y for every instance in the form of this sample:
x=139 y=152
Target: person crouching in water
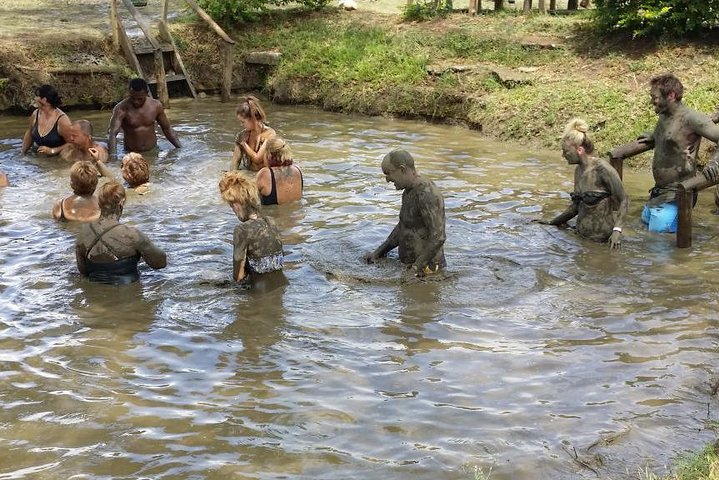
x=257 y=244
x=136 y=172
x=599 y=201
x=82 y=205
x=281 y=181
x=108 y=251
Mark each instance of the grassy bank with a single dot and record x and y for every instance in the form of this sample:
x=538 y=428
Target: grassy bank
x=446 y=70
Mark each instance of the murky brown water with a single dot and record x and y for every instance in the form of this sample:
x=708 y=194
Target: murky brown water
x=538 y=343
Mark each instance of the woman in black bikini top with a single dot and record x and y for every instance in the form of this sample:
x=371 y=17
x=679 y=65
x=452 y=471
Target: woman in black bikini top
x=48 y=118
x=281 y=181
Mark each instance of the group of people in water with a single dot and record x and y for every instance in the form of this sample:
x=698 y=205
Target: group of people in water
x=263 y=173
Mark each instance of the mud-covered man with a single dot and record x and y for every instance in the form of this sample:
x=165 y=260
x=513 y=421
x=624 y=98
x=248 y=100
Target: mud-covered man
x=675 y=140
x=136 y=116
x=420 y=233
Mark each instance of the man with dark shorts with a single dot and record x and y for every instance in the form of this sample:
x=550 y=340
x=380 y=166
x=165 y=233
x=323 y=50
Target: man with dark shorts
x=420 y=233
x=136 y=116
x=675 y=141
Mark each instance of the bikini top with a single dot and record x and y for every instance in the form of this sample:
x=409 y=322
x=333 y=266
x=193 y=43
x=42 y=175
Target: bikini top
x=271 y=199
x=52 y=139
x=589 y=198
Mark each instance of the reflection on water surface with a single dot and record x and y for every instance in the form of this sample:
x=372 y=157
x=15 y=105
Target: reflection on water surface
x=537 y=344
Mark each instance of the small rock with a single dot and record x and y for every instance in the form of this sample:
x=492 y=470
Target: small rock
x=202 y=95
x=510 y=79
x=263 y=58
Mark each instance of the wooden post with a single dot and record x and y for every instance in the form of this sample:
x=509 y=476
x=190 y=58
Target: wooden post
x=473 y=7
x=164 y=11
x=542 y=6
x=229 y=54
x=684 y=198
x=527 y=6
x=115 y=24
x=161 y=78
x=552 y=5
x=498 y=5
x=571 y=4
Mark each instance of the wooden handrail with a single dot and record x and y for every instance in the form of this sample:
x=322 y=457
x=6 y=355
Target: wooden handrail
x=203 y=15
x=685 y=204
x=142 y=23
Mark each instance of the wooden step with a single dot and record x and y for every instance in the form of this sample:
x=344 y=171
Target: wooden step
x=170 y=78
x=145 y=49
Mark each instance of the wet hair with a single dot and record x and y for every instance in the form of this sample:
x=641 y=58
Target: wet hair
x=399 y=158
x=235 y=187
x=84 y=125
x=576 y=133
x=49 y=93
x=111 y=198
x=83 y=178
x=666 y=83
x=250 y=108
x=278 y=153
x=135 y=169
x=138 y=85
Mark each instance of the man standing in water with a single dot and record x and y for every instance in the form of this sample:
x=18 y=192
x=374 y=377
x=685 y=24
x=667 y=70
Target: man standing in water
x=420 y=232
x=136 y=116
x=81 y=145
x=675 y=141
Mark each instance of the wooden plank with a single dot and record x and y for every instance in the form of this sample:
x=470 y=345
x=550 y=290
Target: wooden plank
x=161 y=79
x=149 y=49
x=130 y=54
x=527 y=7
x=87 y=70
x=228 y=51
x=203 y=15
x=552 y=5
x=473 y=7
x=498 y=4
x=140 y=19
x=542 y=6
x=167 y=36
x=115 y=24
x=164 y=11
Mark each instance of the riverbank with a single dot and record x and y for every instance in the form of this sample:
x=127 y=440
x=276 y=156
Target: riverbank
x=513 y=77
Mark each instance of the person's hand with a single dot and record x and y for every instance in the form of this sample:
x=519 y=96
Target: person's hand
x=645 y=137
x=615 y=240
x=244 y=146
x=94 y=154
x=371 y=258
x=541 y=221
x=419 y=271
x=46 y=150
x=711 y=172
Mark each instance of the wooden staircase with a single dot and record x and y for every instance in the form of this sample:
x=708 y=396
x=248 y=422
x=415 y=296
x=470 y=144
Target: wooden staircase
x=156 y=58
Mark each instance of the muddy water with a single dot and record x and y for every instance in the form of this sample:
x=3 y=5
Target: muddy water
x=536 y=348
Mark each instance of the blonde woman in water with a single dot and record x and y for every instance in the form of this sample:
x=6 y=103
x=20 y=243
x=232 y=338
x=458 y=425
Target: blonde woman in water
x=598 y=201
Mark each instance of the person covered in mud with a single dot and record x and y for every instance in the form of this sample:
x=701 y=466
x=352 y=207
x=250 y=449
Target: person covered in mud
x=49 y=126
x=598 y=201
x=81 y=145
x=281 y=181
x=82 y=205
x=108 y=251
x=136 y=172
x=249 y=149
x=420 y=233
x=675 y=140
x=136 y=116
x=257 y=249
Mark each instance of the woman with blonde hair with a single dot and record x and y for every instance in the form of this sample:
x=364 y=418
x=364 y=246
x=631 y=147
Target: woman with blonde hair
x=257 y=243
x=136 y=172
x=281 y=181
x=108 y=251
x=248 y=151
x=599 y=201
x=82 y=205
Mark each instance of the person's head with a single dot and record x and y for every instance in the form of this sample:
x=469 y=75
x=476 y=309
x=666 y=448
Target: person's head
x=50 y=95
x=241 y=193
x=137 y=92
x=111 y=199
x=665 y=90
x=135 y=169
x=278 y=153
x=250 y=112
x=398 y=168
x=575 y=141
x=81 y=133
x=83 y=178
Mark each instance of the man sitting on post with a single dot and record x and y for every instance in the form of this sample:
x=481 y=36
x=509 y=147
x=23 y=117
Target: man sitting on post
x=420 y=232
x=675 y=140
x=136 y=116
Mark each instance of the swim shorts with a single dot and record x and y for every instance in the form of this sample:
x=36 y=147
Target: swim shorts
x=662 y=218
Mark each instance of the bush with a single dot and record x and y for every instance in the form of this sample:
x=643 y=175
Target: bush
x=232 y=11
x=654 y=18
x=422 y=10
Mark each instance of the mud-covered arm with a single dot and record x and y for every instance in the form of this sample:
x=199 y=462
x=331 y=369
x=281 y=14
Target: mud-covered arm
x=239 y=254
x=431 y=209
x=153 y=255
x=611 y=181
x=118 y=114
x=387 y=246
x=643 y=143
x=706 y=127
x=566 y=215
x=81 y=257
x=166 y=128
x=27 y=138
